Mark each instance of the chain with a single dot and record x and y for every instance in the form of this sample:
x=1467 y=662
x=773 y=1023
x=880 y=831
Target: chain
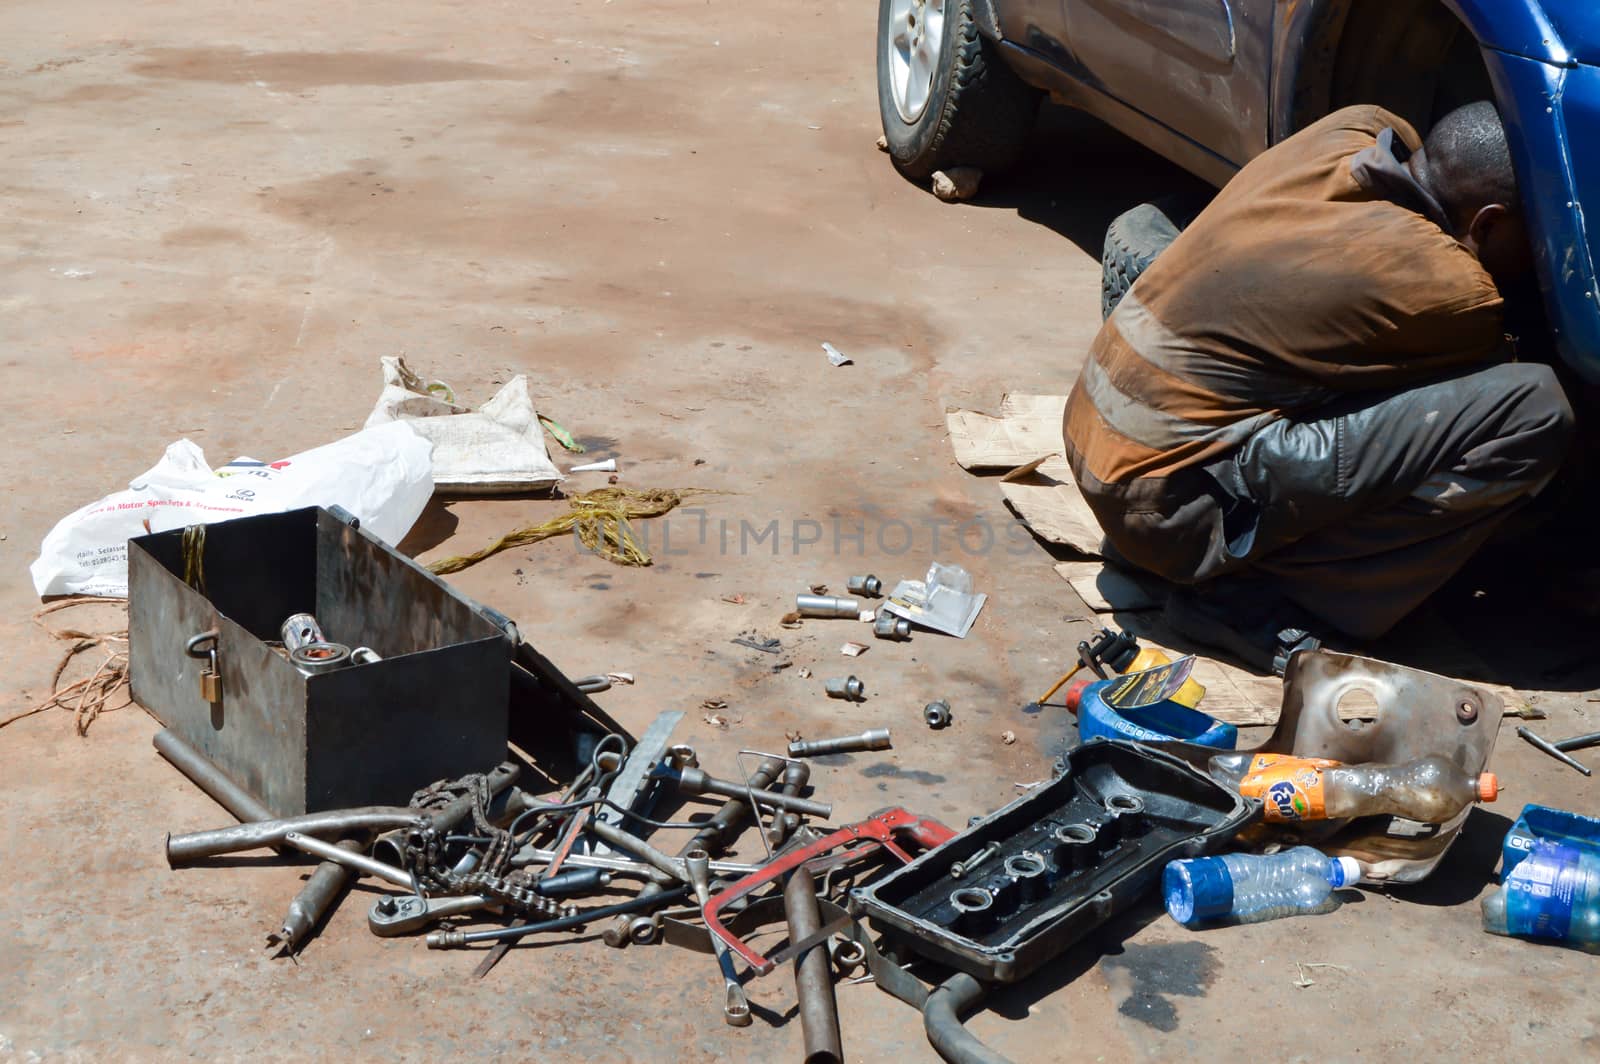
x=425 y=852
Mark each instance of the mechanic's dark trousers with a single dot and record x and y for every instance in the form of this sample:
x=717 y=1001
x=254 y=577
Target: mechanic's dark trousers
x=1360 y=514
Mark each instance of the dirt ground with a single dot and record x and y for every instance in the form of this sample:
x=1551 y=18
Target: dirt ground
x=217 y=218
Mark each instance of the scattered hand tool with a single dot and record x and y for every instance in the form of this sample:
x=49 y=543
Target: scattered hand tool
x=875 y=739
x=882 y=830
x=1556 y=750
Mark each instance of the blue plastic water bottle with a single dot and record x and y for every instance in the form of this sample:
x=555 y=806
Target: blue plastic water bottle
x=1553 y=893
x=1246 y=889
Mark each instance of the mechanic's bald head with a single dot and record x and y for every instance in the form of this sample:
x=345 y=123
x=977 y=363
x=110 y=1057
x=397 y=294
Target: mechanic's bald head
x=1466 y=164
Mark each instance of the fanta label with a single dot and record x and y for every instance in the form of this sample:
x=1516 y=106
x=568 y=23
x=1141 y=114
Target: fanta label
x=1290 y=788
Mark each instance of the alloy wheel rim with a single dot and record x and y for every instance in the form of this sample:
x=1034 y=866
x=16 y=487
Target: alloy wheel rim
x=916 y=33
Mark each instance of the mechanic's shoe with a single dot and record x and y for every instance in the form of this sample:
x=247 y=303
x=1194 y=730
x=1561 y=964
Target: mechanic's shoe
x=1243 y=618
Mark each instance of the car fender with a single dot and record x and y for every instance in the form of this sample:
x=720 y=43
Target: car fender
x=1522 y=28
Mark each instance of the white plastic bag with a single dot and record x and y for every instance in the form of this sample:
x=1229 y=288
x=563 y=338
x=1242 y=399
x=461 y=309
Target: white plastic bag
x=382 y=475
x=495 y=449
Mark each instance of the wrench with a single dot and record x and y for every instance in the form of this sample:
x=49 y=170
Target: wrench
x=735 y=1005
x=401 y=914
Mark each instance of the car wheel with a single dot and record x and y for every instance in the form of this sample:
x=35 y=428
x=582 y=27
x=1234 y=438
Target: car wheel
x=945 y=96
x=1133 y=240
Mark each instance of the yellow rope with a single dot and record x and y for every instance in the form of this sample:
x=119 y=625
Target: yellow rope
x=194 y=557
x=599 y=518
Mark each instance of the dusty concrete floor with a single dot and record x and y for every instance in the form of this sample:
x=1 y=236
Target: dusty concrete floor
x=217 y=217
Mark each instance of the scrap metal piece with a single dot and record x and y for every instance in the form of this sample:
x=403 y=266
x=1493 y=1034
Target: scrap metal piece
x=1579 y=742
x=848 y=688
x=185 y=849
x=314 y=658
x=629 y=784
x=961 y=868
x=717 y=833
x=1554 y=750
x=1418 y=714
x=872 y=739
x=937 y=714
x=695 y=781
x=315 y=900
x=887 y=626
x=827 y=606
x=813 y=982
x=796 y=774
x=351 y=859
x=299 y=630
x=203 y=774
x=882 y=829
x=868 y=585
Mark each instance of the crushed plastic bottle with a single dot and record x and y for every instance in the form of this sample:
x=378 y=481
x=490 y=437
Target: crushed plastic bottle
x=1429 y=790
x=1552 y=893
x=1247 y=889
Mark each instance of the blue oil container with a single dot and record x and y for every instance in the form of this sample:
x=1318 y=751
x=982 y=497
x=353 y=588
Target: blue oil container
x=1158 y=722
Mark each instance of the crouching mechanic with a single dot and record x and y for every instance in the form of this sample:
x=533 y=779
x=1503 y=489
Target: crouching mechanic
x=1306 y=408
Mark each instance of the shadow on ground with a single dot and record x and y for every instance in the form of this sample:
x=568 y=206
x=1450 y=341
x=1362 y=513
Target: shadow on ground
x=1080 y=173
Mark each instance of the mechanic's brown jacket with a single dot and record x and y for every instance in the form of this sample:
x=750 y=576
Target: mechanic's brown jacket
x=1299 y=284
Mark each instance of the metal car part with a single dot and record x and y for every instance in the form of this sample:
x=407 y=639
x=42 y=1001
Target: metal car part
x=1004 y=918
x=868 y=585
x=813 y=981
x=195 y=846
x=887 y=626
x=827 y=606
x=848 y=688
x=917 y=36
x=1418 y=714
x=300 y=629
x=314 y=658
x=872 y=739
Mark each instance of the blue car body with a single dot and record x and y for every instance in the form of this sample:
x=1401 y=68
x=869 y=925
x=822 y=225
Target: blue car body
x=1212 y=83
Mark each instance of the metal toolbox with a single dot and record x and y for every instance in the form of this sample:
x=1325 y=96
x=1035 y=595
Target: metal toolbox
x=1027 y=881
x=435 y=706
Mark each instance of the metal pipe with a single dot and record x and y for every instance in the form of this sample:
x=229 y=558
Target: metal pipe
x=1553 y=750
x=813 y=981
x=195 y=846
x=849 y=688
x=453 y=939
x=615 y=836
x=796 y=774
x=696 y=782
x=622 y=866
x=185 y=849
x=875 y=739
x=1578 y=742
x=717 y=833
x=358 y=861
x=315 y=900
x=203 y=774
x=827 y=606
x=941 y=1019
